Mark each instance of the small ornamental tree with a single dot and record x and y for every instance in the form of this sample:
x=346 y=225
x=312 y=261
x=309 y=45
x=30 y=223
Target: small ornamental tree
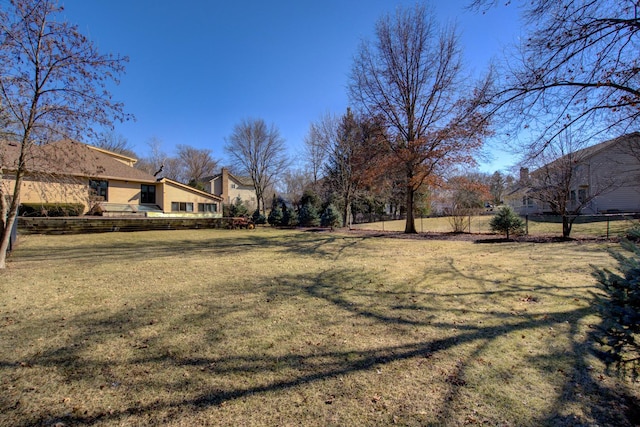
x=331 y=217
x=618 y=335
x=506 y=221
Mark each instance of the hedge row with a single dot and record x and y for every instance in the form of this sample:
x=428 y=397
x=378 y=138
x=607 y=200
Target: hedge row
x=51 y=209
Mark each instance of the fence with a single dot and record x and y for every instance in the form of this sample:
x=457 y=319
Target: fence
x=605 y=225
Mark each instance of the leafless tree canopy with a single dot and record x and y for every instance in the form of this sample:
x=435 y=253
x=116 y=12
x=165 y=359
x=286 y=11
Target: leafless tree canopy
x=579 y=68
x=53 y=82
x=258 y=151
x=196 y=163
x=115 y=142
x=318 y=141
x=411 y=76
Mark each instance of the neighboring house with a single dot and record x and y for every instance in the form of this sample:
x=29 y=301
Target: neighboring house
x=605 y=179
x=71 y=172
x=230 y=187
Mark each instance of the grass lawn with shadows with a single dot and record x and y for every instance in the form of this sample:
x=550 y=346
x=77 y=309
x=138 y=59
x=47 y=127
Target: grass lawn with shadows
x=285 y=327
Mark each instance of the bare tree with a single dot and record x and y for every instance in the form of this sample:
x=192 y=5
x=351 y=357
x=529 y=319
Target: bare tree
x=578 y=69
x=115 y=142
x=258 y=151
x=318 y=141
x=53 y=82
x=197 y=163
x=562 y=183
x=412 y=78
x=294 y=182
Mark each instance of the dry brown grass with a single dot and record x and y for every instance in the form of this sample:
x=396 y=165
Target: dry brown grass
x=480 y=224
x=268 y=327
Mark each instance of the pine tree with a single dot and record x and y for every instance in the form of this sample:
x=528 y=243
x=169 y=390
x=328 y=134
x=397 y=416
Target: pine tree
x=308 y=216
x=331 y=217
x=507 y=221
x=618 y=335
x=275 y=216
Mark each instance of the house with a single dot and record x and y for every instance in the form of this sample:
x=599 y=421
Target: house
x=604 y=178
x=231 y=187
x=102 y=181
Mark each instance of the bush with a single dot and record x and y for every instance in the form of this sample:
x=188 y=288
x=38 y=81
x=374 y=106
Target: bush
x=618 y=335
x=331 y=217
x=506 y=221
x=258 y=218
x=51 y=209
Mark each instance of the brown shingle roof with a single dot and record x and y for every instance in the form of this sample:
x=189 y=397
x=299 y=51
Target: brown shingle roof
x=71 y=158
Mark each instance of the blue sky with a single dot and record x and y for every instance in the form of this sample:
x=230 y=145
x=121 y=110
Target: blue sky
x=198 y=67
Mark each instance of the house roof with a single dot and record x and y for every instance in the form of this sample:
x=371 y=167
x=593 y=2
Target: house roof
x=581 y=155
x=244 y=181
x=68 y=157
x=191 y=189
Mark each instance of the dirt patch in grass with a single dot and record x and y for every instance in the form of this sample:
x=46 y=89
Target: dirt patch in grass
x=280 y=327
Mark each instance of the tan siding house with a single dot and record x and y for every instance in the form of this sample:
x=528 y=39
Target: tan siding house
x=231 y=187
x=104 y=182
x=607 y=173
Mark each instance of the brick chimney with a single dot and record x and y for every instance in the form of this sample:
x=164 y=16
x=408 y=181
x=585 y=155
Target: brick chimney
x=224 y=193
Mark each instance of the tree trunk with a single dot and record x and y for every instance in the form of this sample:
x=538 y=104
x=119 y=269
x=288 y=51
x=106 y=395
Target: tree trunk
x=566 y=226
x=5 y=233
x=410 y=226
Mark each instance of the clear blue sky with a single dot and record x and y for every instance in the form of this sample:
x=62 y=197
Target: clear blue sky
x=197 y=67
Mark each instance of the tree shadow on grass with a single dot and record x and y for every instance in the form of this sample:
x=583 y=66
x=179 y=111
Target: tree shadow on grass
x=341 y=290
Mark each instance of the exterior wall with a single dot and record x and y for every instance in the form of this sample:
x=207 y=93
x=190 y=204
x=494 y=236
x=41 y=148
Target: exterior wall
x=167 y=192
x=227 y=187
x=246 y=194
x=51 y=189
x=124 y=192
x=614 y=176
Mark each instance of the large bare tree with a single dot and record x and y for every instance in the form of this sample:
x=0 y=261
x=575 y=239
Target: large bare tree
x=579 y=68
x=412 y=77
x=53 y=82
x=197 y=163
x=258 y=151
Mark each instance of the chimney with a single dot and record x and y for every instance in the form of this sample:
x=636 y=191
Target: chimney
x=524 y=174
x=224 y=192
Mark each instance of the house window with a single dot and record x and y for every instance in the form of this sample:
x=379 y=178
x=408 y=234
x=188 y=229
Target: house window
x=148 y=194
x=233 y=185
x=181 y=207
x=99 y=190
x=527 y=201
x=207 y=207
x=582 y=195
x=572 y=196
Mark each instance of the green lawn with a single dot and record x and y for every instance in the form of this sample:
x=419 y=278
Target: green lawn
x=283 y=327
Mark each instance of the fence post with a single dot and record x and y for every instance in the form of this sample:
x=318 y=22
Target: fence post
x=526 y=225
